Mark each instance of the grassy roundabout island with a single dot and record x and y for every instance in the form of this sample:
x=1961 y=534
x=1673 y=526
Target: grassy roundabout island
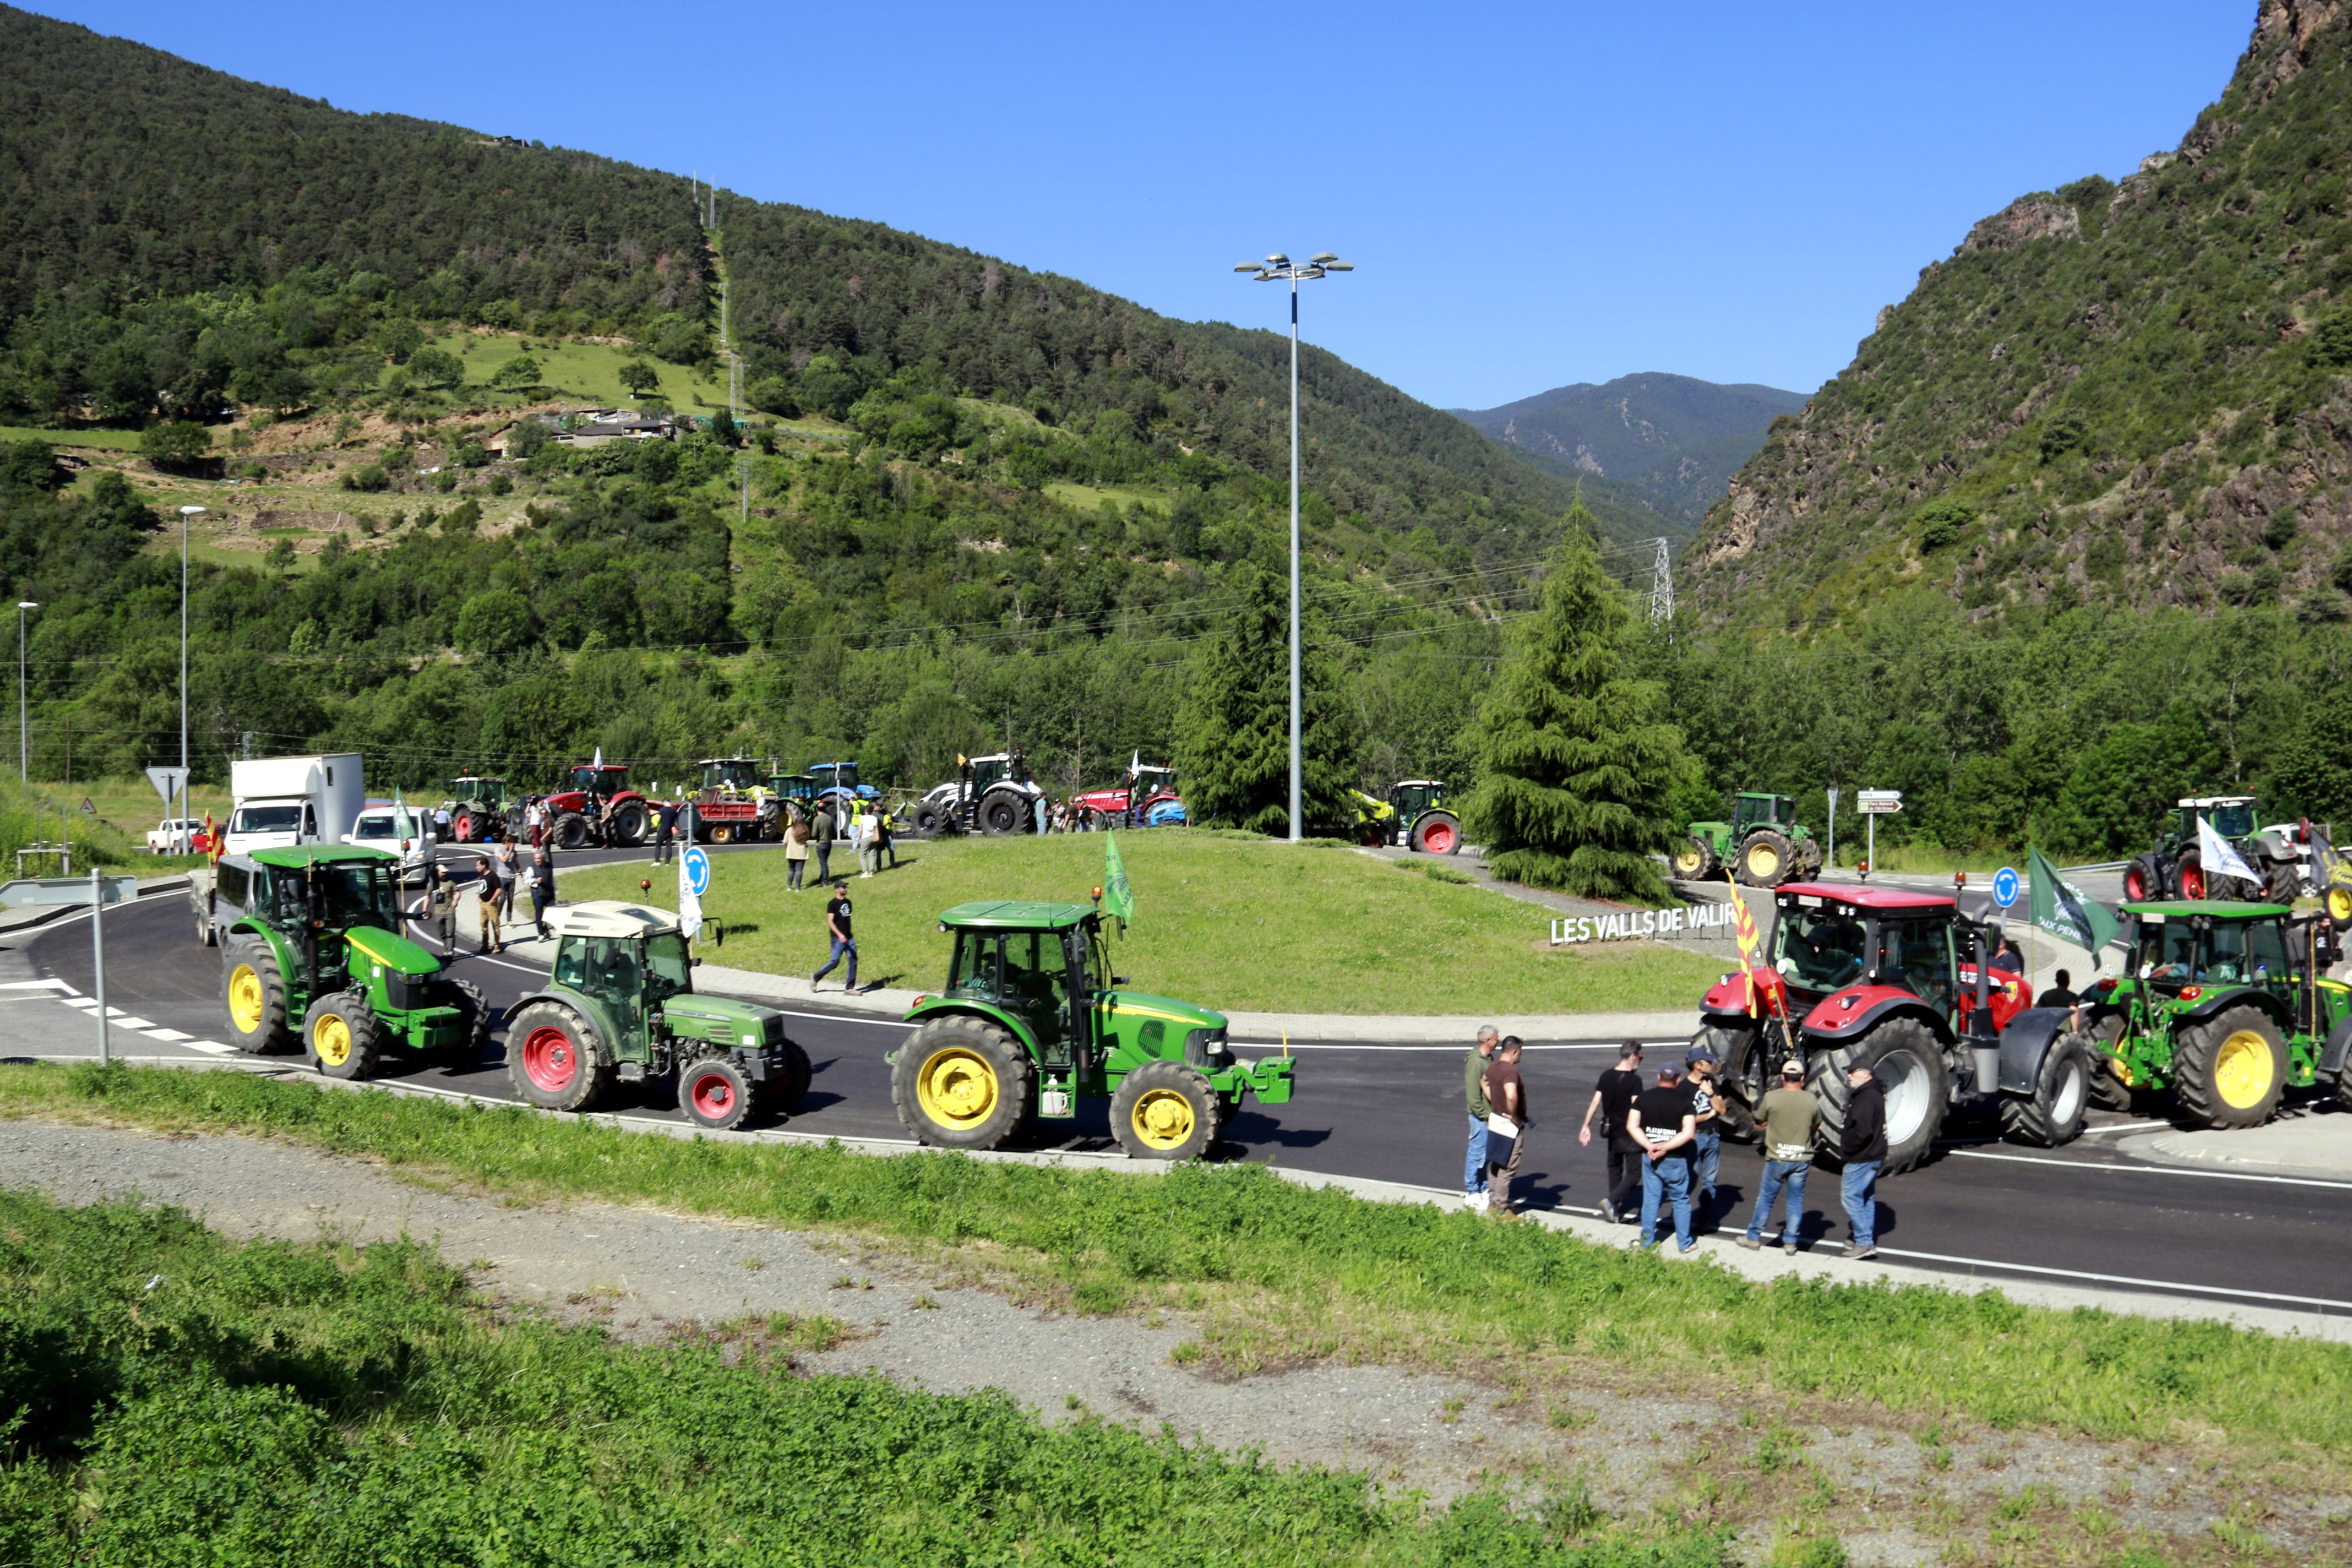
x=1234 y=924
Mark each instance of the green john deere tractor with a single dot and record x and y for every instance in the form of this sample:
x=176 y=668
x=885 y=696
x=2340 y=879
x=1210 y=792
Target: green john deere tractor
x=1032 y=1020
x=1763 y=844
x=621 y=1007
x=312 y=932
x=2225 y=1007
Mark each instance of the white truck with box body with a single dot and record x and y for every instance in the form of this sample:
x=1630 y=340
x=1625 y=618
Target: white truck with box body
x=283 y=801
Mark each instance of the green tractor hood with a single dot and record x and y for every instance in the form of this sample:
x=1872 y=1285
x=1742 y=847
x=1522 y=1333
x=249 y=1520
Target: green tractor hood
x=721 y=1020
x=1179 y=1015
x=396 y=953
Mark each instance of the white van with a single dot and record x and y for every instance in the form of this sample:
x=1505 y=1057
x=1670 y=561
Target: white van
x=374 y=830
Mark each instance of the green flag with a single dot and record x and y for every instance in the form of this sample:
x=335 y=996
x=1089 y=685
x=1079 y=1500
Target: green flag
x=2058 y=907
x=1119 y=896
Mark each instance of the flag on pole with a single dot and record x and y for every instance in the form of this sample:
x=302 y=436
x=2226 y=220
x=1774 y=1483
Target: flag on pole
x=404 y=826
x=1118 y=895
x=689 y=902
x=1752 y=942
x=1135 y=766
x=598 y=761
x=2220 y=856
x=2333 y=875
x=2059 y=907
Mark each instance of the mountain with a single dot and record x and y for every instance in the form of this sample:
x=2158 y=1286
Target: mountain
x=2131 y=394
x=1674 y=442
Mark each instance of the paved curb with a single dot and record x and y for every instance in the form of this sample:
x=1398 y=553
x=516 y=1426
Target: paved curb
x=2302 y=1148
x=42 y=914
x=1717 y=1249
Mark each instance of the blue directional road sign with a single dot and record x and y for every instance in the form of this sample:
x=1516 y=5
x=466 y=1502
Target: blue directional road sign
x=698 y=872
x=2004 y=886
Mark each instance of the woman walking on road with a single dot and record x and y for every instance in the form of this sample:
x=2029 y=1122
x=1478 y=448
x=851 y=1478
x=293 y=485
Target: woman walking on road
x=796 y=848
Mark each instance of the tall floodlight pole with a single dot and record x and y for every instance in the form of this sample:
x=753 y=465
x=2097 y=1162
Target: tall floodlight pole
x=24 y=728
x=1280 y=268
x=181 y=817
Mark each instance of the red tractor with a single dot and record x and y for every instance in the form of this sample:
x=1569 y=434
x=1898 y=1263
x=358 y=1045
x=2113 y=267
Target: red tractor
x=1146 y=786
x=597 y=806
x=1895 y=981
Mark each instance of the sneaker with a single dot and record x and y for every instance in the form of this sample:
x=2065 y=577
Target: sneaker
x=1856 y=1249
x=1608 y=1212
x=1789 y=1247
x=1751 y=1243
x=1685 y=1247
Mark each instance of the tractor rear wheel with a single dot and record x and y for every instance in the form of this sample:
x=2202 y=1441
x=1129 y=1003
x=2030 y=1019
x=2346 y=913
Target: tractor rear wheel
x=1164 y=1110
x=1767 y=859
x=930 y=821
x=797 y=1073
x=473 y=1024
x=2337 y=903
x=724 y=833
x=343 y=1036
x=2230 y=1070
x=2109 y=1089
x=2283 y=883
x=461 y=827
x=253 y=997
x=2143 y=881
x=2053 y=1114
x=555 y=1060
x=1003 y=814
x=1741 y=1075
x=572 y=831
x=2189 y=878
x=962 y=1083
x=715 y=1093
x=1907 y=1060
x=628 y=824
x=1437 y=833
x=1694 y=859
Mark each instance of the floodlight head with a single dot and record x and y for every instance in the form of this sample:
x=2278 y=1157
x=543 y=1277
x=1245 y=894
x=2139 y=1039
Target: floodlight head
x=1321 y=257
x=1278 y=259
x=1247 y=266
x=28 y=604
x=192 y=512
x=1338 y=266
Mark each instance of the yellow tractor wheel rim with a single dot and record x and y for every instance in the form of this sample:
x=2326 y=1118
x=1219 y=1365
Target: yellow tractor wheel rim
x=1163 y=1119
x=1688 y=860
x=333 y=1040
x=2339 y=905
x=245 y=999
x=2243 y=1071
x=1763 y=860
x=957 y=1088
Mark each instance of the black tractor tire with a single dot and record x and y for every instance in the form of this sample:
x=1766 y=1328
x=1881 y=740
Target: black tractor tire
x=341 y=1037
x=1909 y=1062
x=1437 y=833
x=266 y=1005
x=1693 y=859
x=554 y=1060
x=2283 y=883
x=207 y=933
x=1766 y=858
x=461 y=827
x=474 y=1038
x=963 y=1082
x=1810 y=856
x=715 y=1094
x=628 y=824
x=1003 y=814
x=721 y=833
x=572 y=831
x=930 y=821
x=2053 y=1114
x=2230 y=1070
x=2144 y=881
x=2189 y=872
x=786 y=1096
x=2108 y=1090
x=1164 y=1110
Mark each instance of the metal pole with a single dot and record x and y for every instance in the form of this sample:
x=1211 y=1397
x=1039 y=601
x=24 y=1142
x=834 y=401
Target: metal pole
x=24 y=728
x=97 y=958
x=181 y=816
x=1833 y=795
x=1297 y=831
x=1870 y=855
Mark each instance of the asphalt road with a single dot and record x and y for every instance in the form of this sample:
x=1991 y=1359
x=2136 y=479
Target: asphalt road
x=2083 y=1214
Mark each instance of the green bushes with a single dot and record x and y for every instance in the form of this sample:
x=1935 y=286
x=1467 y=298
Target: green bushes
x=169 y=1396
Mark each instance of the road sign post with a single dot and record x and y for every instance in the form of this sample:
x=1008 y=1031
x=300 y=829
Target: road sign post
x=1832 y=855
x=169 y=782
x=1874 y=804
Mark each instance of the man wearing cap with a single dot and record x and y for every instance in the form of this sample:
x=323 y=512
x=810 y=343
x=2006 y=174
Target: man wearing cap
x=1474 y=1092
x=1706 y=1121
x=1661 y=1123
x=1507 y=1093
x=1863 y=1146
x=1612 y=1102
x=1787 y=1118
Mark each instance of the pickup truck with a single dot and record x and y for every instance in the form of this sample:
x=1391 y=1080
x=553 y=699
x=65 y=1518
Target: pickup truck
x=165 y=839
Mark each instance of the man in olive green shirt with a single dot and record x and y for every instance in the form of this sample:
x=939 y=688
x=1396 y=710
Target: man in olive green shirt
x=1473 y=1090
x=1786 y=1129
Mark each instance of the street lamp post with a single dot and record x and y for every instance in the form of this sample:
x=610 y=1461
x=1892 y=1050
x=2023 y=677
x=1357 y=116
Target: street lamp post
x=1280 y=268
x=24 y=729
x=182 y=818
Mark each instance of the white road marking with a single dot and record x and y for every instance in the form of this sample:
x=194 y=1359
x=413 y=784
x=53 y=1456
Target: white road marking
x=171 y=1036
x=35 y=985
x=213 y=1047
x=121 y=1019
x=1454 y=1045
x=2151 y=1170
x=2121 y=1278
x=2127 y=1127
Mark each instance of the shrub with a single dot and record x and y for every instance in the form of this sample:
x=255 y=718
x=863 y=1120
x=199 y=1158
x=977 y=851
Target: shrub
x=2280 y=531
x=370 y=478
x=1941 y=522
x=177 y=445
x=2331 y=339
x=2062 y=433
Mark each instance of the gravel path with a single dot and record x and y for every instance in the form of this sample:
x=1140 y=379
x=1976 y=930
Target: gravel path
x=643 y=1273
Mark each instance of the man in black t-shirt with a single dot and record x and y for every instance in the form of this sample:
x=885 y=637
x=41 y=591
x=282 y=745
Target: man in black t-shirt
x=1612 y=1102
x=836 y=925
x=1664 y=1124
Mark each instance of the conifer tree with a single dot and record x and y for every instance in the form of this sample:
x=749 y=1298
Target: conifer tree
x=1233 y=745
x=1578 y=766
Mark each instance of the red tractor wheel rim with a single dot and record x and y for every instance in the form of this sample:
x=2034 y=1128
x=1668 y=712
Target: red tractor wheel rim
x=2134 y=889
x=1439 y=837
x=549 y=1059
x=2192 y=882
x=712 y=1095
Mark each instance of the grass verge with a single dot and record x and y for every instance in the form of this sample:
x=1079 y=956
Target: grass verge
x=1277 y=1273
x=1225 y=922
x=169 y=1396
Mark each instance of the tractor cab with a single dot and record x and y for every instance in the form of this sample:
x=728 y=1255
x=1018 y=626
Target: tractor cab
x=601 y=781
x=627 y=961
x=840 y=778
x=1750 y=809
x=792 y=786
x=1411 y=797
x=730 y=776
x=2180 y=949
x=999 y=767
x=490 y=794
x=2232 y=817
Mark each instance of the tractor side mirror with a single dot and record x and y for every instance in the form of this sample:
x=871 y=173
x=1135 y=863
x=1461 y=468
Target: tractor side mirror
x=1118 y=980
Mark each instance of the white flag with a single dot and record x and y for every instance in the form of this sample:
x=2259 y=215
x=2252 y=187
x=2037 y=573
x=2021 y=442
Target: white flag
x=2220 y=856
x=598 y=761
x=690 y=904
x=403 y=828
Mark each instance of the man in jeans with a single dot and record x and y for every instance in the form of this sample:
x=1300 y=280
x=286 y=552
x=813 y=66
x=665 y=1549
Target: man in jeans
x=1612 y=1102
x=822 y=833
x=1507 y=1093
x=1787 y=1117
x=836 y=925
x=1706 y=1141
x=1663 y=1121
x=1863 y=1147
x=1473 y=1092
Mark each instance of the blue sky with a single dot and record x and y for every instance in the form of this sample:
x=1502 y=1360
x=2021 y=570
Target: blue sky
x=1534 y=195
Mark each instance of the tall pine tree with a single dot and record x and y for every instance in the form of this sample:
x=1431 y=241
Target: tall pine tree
x=1578 y=766
x=1233 y=732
